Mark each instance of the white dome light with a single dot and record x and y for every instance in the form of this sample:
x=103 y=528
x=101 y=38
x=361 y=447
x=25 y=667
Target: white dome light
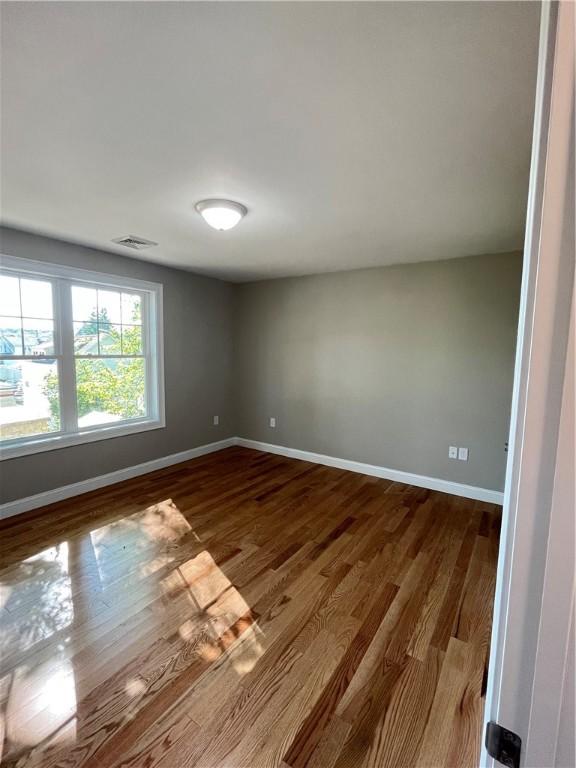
x=221 y=214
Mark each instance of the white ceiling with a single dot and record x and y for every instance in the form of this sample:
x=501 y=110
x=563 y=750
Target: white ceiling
x=358 y=134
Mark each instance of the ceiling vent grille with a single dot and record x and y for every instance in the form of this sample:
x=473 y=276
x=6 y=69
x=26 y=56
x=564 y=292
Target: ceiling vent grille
x=137 y=243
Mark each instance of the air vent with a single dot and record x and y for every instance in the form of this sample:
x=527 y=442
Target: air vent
x=137 y=243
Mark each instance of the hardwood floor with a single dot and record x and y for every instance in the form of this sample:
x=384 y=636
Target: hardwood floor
x=244 y=609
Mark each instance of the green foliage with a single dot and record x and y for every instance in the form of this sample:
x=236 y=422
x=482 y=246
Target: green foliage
x=131 y=341
x=114 y=386
x=90 y=328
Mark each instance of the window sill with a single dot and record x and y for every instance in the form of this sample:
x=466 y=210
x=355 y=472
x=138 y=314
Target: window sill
x=41 y=444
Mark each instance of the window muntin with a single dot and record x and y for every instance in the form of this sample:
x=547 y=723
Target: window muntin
x=109 y=355
x=80 y=358
x=24 y=406
x=27 y=359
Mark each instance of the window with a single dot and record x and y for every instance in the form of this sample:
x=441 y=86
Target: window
x=80 y=356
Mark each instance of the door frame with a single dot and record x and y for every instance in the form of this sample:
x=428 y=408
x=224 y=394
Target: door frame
x=528 y=590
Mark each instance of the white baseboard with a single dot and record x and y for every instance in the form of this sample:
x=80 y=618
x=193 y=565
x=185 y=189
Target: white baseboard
x=19 y=506
x=422 y=481
x=93 y=483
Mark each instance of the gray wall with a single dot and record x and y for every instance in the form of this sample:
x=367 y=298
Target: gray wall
x=387 y=366
x=197 y=350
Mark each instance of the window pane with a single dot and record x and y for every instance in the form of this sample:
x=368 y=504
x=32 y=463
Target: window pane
x=29 y=399
x=131 y=339
x=83 y=303
x=110 y=390
x=85 y=339
x=36 y=298
x=10 y=336
x=109 y=306
x=131 y=309
x=110 y=339
x=38 y=337
x=9 y=295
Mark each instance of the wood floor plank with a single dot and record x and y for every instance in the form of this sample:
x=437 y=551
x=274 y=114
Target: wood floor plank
x=400 y=729
x=241 y=610
x=451 y=709
x=309 y=735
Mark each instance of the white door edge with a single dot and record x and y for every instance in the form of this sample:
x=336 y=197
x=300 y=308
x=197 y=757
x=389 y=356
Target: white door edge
x=542 y=344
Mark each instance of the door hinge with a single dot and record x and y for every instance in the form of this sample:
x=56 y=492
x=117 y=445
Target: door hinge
x=503 y=745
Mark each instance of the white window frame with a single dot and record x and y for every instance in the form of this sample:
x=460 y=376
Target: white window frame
x=62 y=277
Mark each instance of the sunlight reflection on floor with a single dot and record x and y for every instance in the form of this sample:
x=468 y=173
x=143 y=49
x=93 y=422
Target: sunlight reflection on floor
x=37 y=701
x=50 y=597
x=221 y=612
x=40 y=599
x=40 y=702
x=120 y=547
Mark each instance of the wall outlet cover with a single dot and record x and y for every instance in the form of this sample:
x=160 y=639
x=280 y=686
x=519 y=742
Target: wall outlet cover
x=452 y=452
x=463 y=454
x=272 y=421
x=216 y=420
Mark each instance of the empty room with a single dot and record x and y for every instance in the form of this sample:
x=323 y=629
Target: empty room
x=286 y=384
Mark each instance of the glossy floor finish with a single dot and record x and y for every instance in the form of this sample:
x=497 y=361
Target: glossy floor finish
x=245 y=609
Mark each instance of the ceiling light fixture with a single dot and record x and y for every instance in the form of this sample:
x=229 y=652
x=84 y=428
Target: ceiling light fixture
x=221 y=214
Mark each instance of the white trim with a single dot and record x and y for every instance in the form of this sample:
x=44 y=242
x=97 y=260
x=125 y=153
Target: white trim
x=89 y=435
x=50 y=269
x=155 y=360
x=422 y=481
x=62 y=277
x=550 y=672
x=523 y=343
x=514 y=683
x=19 y=506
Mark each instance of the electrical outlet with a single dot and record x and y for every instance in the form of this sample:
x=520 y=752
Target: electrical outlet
x=463 y=454
x=273 y=422
x=216 y=421
x=453 y=452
